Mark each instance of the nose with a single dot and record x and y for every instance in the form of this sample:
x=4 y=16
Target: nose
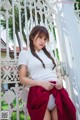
x=42 y=40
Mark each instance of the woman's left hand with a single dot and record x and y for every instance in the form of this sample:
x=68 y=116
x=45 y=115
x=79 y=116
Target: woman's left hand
x=59 y=85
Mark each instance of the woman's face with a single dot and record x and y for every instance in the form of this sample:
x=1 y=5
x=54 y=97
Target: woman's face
x=39 y=41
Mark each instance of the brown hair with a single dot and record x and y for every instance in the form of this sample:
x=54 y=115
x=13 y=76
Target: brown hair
x=40 y=30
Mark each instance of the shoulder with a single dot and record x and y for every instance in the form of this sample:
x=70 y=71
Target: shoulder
x=24 y=53
x=23 y=57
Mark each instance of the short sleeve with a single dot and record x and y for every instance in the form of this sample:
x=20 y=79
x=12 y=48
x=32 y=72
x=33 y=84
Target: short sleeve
x=23 y=58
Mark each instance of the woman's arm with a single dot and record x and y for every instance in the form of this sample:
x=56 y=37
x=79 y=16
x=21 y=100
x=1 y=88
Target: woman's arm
x=24 y=79
x=29 y=82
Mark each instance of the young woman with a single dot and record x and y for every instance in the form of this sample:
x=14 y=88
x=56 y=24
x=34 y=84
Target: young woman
x=43 y=82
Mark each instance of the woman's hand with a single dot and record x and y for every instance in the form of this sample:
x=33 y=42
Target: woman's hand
x=59 y=85
x=47 y=85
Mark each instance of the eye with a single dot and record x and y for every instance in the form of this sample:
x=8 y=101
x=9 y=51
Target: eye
x=40 y=36
x=45 y=39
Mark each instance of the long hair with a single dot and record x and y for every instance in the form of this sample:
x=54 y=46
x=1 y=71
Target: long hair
x=40 y=30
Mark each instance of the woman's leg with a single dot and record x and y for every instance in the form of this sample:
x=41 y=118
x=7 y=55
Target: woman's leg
x=47 y=115
x=54 y=114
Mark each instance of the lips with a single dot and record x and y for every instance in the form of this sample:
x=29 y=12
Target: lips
x=41 y=45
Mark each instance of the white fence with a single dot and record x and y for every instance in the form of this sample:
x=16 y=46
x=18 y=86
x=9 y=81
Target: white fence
x=16 y=20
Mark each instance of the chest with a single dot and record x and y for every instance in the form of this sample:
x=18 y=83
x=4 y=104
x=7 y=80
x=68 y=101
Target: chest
x=35 y=63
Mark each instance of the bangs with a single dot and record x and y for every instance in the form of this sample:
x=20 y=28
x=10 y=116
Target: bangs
x=43 y=33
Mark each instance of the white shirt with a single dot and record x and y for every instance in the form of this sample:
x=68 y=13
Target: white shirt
x=35 y=67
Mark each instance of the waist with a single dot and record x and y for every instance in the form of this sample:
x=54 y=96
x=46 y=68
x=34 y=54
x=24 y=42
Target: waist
x=44 y=77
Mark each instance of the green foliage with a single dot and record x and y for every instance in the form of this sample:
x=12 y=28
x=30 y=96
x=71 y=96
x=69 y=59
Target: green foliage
x=54 y=33
x=57 y=53
x=21 y=117
x=75 y=5
x=77 y=0
x=4 y=106
x=3 y=23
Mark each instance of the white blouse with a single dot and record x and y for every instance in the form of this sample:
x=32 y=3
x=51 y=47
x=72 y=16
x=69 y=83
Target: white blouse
x=35 y=67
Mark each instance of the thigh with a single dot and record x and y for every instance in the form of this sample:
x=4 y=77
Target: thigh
x=54 y=114
x=47 y=115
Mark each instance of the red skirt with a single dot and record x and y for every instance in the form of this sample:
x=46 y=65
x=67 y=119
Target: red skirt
x=38 y=99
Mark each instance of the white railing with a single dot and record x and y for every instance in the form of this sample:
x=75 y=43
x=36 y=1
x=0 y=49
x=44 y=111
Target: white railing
x=77 y=9
x=19 y=17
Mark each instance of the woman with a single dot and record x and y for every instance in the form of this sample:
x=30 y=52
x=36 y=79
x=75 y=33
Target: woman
x=40 y=64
